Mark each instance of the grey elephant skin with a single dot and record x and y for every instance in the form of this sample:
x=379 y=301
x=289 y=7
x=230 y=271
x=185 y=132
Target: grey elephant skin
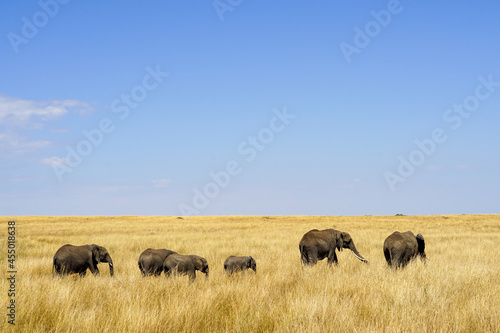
x=70 y=259
x=236 y=264
x=320 y=244
x=151 y=261
x=185 y=265
x=401 y=247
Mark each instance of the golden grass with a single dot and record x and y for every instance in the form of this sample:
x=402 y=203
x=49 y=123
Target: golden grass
x=458 y=290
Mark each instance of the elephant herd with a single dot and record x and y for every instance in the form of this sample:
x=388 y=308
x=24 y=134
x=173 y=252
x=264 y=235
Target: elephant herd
x=70 y=259
x=399 y=248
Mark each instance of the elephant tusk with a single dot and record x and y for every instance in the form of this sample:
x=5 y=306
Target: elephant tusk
x=362 y=259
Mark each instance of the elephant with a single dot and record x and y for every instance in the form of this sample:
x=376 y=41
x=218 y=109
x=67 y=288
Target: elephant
x=185 y=265
x=151 y=261
x=71 y=259
x=235 y=264
x=320 y=244
x=401 y=247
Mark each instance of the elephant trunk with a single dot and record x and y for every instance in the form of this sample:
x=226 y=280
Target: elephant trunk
x=111 y=270
x=356 y=253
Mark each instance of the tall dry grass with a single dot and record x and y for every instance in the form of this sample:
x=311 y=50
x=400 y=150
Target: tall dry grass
x=458 y=290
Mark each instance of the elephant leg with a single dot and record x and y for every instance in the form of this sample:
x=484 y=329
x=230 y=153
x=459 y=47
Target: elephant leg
x=151 y=270
x=303 y=255
x=61 y=269
x=192 y=275
x=387 y=254
x=398 y=260
x=143 y=268
x=96 y=271
x=57 y=269
x=332 y=258
x=65 y=269
x=312 y=258
x=406 y=259
x=303 y=258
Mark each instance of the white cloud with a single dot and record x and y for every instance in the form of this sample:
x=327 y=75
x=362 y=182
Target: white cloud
x=20 y=112
x=19 y=115
x=14 y=143
x=55 y=161
x=160 y=182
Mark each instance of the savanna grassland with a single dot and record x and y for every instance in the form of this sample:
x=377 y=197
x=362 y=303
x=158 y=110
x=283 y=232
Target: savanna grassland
x=457 y=290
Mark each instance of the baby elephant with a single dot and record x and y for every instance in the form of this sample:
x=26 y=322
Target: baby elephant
x=185 y=265
x=235 y=264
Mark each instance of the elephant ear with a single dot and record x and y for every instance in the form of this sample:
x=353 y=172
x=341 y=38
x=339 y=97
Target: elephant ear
x=95 y=252
x=198 y=263
x=421 y=243
x=340 y=241
x=249 y=262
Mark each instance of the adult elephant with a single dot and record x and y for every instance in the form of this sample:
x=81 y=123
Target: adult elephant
x=320 y=244
x=401 y=247
x=235 y=264
x=151 y=261
x=185 y=265
x=71 y=259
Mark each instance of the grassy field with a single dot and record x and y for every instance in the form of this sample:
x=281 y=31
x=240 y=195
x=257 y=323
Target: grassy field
x=458 y=290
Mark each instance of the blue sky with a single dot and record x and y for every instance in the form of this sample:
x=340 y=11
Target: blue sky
x=249 y=107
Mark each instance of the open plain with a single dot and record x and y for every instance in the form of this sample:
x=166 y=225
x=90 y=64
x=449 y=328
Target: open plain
x=457 y=290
